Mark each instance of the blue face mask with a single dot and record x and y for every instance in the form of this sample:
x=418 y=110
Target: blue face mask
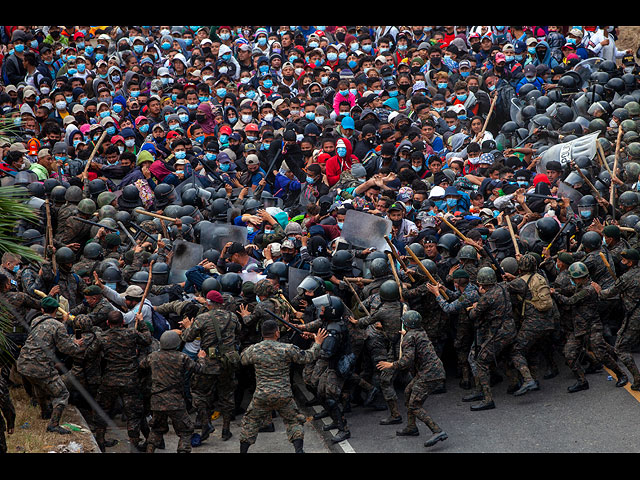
x=211 y=156
x=225 y=36
x=311 y=116
x=451 y=202
x=262 y=41
x=462 y=98
x=138 y=49
x=462 y=117
x=135 y=93
x=267 y=84
x=250 y=230
x=309 y=180
x=99 y=56
x=117 y=107
x=144 y=128
x=442 y=86
x=416 y=169
x=393 y=93
x=184 y=118
x=112 y=286
x=19 y=48
x=225 y=167
x=332 y=57
x=104 y=114
x=340 y=225
x=200 y=138
x=342 y=55
x=221 y=92
x=342 y=152
x=181 y=155
x=224 y=139
x=439 y=203
x=352 y=64
x=111 y=131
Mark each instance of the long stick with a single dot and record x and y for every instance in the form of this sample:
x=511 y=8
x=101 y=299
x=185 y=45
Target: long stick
x=364 y=281
x=61 y=310
x=95 y=150
x=614 y=174
x=357 y=297
x=587 y=181
x=146 y=291
x=600 y=151
x=49 y=242
x=280 y=319
x=395 y=273
x=156 y=215
x=486 y=122
x=513 y=235
x=396 y=255
x=606 y=264
x=128 y=233
x=426 y=272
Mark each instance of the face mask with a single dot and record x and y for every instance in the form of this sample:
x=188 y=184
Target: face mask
x=121 y=149
x=250 y=230
x=225 y=36
x=111 y=131
x=332 y=57
x=319 y=120
x=184 y=118
x=262 y=41
x=462 y=98
x=585 y=213
x=310 y=180
x=311 y=116
x=268 y=84
x=221 y=92
x=492 y=88
x=313 y=44
x=144 y=128
x=416 y=169
x=341 y=151
x=19 y=48
x=451 y=202
x=342 y=55
x=268 y=117
x=112 y=286
x=462 y=117
x=366 y=48
x=393 y=93
x=252 y=94
x=99 y=56
x=61 y=105
x=117 y=108
x=181 y=155
x=138 y=49
x=224 y=139
x=76 y=143
x=211 y=156
x=532 y=51
x=192 y=106
x=442 y=86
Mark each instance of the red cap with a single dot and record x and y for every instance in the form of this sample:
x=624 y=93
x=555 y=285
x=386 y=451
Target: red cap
x=226 y=130
x=215 y=297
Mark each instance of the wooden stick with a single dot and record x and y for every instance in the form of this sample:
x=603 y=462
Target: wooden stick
x=587 y=181
x=357 y=297
x=146 y=291
x=513 y=235
x=486 y=122
x=395 y=273
x=156 y=215
x=614 y=172
x=603 y=158
x=396 y=255
x=49 y=241
x=95 y=150
x=61 y=310
x=364 y=281
x=426 y=272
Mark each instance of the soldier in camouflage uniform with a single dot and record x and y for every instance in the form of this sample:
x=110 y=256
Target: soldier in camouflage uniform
x=272 y=362
x=535 y=325
x=70 y=285
x=7 y=414
x=465 y=295
x=385 y=342
x=587 y=331
x=70 y=231
x=616 y=244
x=169 y=369
x=418 y=356
x=219 y=333
x=120 y=377
x=495 y=330
x=628 y=287
x=37 y=361
x=95 y=306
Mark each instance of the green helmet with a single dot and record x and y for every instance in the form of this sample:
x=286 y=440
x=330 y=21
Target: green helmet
x=527 y=263
x=264 y=288
x=65 y=255
x=73 y=194
x=105 y=198
x=468 y=253
x=633 y=108
x=389 y=291
x=170 y=340
x=509 y=265
x=87 y=206
x=597 y=124
x=632 y=169
x=628 y=126
x=107 y=211
x=412 y=320
x=633 y=149
x=486 y=276
x=578 y=270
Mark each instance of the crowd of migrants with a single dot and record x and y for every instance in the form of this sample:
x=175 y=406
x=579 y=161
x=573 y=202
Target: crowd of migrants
x=222 y=206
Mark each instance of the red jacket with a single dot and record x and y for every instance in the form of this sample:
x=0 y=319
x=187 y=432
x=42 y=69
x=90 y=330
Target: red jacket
x=336 y=165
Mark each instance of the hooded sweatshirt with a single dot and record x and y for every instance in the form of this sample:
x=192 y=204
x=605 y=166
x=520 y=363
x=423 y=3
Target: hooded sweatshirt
x=336 y=164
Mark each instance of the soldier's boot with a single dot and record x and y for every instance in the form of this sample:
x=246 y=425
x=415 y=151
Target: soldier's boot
x=487 y=403
x=324 y=413
x=438 y=434
x=226 y=427
x=528 y=384
x=580 y=385
x=298 y=444
x=476 y=395
x=465 y=381
x=343 y=430
x=394 y=417
x=371 y=396
x=635 y=373
x=54 y=422
x=622 y=378
x=144 y=427
x=244 y=447
x=137 y=445
x=411 y=430
x=435 y=438
x=99 y=436
x=207 y=428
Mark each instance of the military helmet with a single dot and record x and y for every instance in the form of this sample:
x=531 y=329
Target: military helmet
x=231 y=283
x=578 y=270
x=50 y=184
x=389 y=291
x=547 y=228
x=451 y=243
x=105 y=198
x=96 y=187
x=208 y=284
x=486 y=276
x=107 y=211
x=633 y=150
x=509 y=265
x=591 y=240
x=141 y=276
x=170 y=340
x=633 y=108
x=264 y=288
x=73 y=194
x=500 y=237
x=628 y=199
x=280 y=270
x=334 y=311
x=112 y=274
x=312 y=284
x=321 y=266
x=629 y=220
x=628 y=126
x=93 y=250
x=211 y=255
x=65 y=255
x=417 y=249
x=342 y=261
x=468 y=253
x=430 y=265
x=527 y=263
x=597 y=124
x=86 y=206
x=412 y=320
x=379 y=268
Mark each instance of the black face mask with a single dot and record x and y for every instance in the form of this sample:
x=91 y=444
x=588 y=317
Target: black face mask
x=201 y=118
x=396 y=223
x=473 y=89
x=475 y=47
x=435 y=61
x=341 y=36
x=285 y=113
x=288 y=257
x=307 y=153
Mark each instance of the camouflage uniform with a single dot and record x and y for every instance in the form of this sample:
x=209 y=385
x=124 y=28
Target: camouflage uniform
x=434 y=320
x=458 y=304
x=71 y=286
x=85 y=264
x=169 y=369
x=120 y=377
x=98 y=313
x=272 y=362
x=598 y=272
x=628 y=337
x=37 y=363
x=495 y=331
x=69 y=230
x=7 y=414
x=587 y=331
x=419 y=356
x=215 y=376
x=29 y=279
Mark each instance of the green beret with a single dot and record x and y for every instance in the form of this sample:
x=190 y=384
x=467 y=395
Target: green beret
x=631 y=254
x=83 y=272
x=460 y=273
x=48 y=303
x=248 y=288
x=612 y=231
x=92 y=290
x=566 y=257
x=112 y=240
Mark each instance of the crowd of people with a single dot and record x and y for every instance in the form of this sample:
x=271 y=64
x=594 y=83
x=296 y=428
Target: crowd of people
x=375 y=208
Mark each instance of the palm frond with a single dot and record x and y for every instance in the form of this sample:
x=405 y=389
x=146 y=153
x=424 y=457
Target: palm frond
x=13 y=208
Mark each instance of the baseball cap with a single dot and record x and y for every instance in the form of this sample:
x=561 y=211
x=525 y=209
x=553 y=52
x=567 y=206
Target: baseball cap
x=252 y=160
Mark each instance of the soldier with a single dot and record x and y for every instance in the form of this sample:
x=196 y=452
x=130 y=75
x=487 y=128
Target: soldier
x=536 y=315
x=387 y=342
x=7 y=414
x=120 y=377
x=95 y=306
x=63 y=282
x=495 y=330
x=460 y=299
x=37 y=361
x=419 y=356
x=169 y=370
x=628 y=287
x=272 y=362
x=219 y=333
x=587 y=331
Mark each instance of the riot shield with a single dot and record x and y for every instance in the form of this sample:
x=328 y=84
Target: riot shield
x=296 y=276
x=528 y=234
x=565 y=152
x=185 y=256
x=514 y=111
x=216 y=235
x=585 y=68
x=186 y=184
x=572 y=194
x=364 y=230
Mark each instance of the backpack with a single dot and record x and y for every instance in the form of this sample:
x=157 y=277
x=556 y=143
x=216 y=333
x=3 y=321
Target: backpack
x=160 y=324
x=540 y=294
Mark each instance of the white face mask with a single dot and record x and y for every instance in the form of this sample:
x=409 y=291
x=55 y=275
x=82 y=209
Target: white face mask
x=268 y=117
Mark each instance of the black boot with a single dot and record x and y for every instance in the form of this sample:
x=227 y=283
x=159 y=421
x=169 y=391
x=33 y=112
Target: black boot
x=394 y=417
x=527 y=387
x=207 y=430
x=485 y=405
x=54 y=423
x=622 y=379
x=343 y=432
x=437 y=437
x=244 y=447
x=473 y=397
x=579 y=386
x=298 y=444
x=226 y=428
x=322 y=414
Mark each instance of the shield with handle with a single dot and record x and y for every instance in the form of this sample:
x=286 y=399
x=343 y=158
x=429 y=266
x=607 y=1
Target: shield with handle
x=217 y=235
x=186 y=255
x=296 y=276
x=364 y=230
x=565 y=152
x=528 y=233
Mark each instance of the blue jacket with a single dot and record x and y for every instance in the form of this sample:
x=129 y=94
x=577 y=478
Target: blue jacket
x=538 y=82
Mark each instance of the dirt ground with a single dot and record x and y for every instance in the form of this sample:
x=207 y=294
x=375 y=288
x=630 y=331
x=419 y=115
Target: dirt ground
x=629 y=38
